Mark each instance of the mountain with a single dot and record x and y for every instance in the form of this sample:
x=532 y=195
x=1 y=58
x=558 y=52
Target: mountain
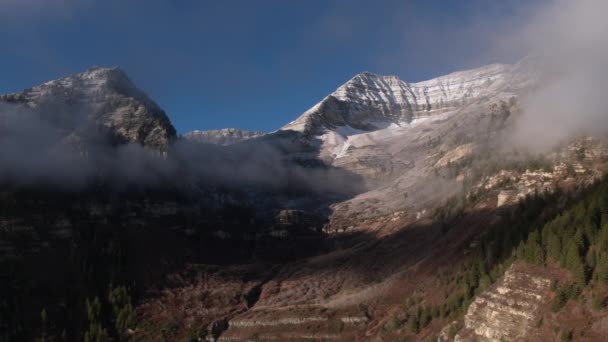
x=99 y=99
x=226 y=136
x=376 y=126
x=369 y=102
x=388 y=211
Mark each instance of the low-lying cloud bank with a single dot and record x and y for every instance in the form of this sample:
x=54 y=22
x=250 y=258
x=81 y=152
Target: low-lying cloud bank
x=38 y=149
x=569 y=42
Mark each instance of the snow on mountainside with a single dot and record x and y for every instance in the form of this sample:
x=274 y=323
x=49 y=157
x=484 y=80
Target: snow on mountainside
x=262 y=264
x=226 y=136
x=369 y=102
x=363 y=125
x=399 y=136
x=98 y=99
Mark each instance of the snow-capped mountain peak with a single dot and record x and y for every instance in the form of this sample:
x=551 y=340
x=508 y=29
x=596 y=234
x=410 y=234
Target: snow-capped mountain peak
x=99 y=97
x=369 y=101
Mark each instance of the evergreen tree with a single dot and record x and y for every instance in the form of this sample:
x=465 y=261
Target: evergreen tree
x=122 y=309
x=591 y=259
x=603 y=201
x=579 y=271
x=580 y=241
x=533 y=252
x=43 y=326
x=553 y=246
x=602 y=238
x=571 y=255
x=601 y=270
x=95 y=332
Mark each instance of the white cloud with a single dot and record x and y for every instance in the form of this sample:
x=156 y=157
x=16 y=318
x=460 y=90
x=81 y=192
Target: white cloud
x=571 y=38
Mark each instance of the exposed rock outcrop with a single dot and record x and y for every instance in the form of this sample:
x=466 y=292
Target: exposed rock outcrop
x=369 y=102
x=455 y=155
x=226 y=136
x=98 y=101
x=508 y=310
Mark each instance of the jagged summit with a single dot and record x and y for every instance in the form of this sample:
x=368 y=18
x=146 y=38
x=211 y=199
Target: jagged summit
x=225 y=136
x=369 y=101
x=363 y=101
x=94 y=76
x=101 y=80
x=370 y=77
x=98 y=99
x=100 y=72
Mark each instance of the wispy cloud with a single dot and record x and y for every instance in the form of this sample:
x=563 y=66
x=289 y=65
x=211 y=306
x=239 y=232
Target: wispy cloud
x=570 y=40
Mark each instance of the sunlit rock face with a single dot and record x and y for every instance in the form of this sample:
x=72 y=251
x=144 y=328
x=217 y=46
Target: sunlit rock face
x=381 y=127
x=99 y=101
x=369 y=102
x=509 y=310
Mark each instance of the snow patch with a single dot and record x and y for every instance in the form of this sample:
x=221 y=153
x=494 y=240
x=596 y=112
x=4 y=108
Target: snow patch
x=343 y=150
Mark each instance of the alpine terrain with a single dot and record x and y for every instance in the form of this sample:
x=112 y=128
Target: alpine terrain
x=388 y=211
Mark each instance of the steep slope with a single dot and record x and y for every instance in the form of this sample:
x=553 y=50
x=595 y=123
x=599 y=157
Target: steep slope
x=388 y=130
x=99 y=99
x=226 y=136
x=369 y=102
x=400 y=253
x=446 y=207
x=510 y=310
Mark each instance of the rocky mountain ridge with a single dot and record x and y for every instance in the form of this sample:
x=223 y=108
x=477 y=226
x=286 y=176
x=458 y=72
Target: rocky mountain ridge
x=401 y=258
x=370 y=102
x=98 y=99
x=225 y=136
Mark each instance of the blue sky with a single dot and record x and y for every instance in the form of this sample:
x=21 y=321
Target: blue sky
x=251 y=64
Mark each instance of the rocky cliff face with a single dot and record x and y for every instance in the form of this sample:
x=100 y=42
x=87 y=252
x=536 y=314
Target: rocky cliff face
x=97 y=100
x=509 y=310
x=397 y=134
x=275 y=266
x=226 y=136
x=370 y=102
